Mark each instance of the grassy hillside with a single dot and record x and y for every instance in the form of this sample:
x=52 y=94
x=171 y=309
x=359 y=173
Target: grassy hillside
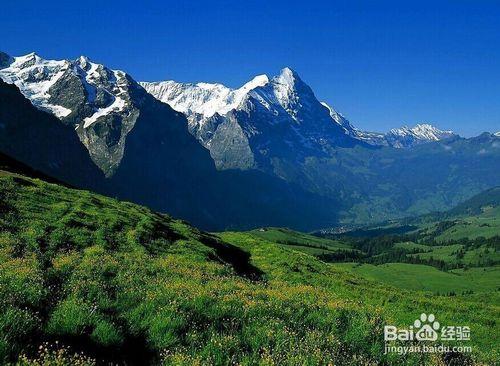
x=474 y=222
x=477 y=276
x=477 y=204
x=397 y=305
x=306 y=243
x=84 y=273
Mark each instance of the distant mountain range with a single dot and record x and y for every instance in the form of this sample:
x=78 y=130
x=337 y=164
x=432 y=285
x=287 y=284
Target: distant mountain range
x=243 y=127
x=405 y=136
x=268 y=153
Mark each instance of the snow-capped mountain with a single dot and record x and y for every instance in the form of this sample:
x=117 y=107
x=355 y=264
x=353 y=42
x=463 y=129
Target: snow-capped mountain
x=237 y=125
x=398 y=137
x=96 y=100
x=421 y=133
x=34 y=77
x=405 y=136
x=40 y=80
x=253 y=126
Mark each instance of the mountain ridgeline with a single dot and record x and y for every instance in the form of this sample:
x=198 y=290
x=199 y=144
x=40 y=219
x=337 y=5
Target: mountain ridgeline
x=268 y=153
x=154 y=161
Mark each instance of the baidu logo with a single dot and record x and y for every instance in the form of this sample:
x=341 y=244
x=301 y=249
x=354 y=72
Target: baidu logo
x=426 y=328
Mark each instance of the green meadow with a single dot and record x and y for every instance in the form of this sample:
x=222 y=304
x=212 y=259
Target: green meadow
x=426 y=278
x=86 y=279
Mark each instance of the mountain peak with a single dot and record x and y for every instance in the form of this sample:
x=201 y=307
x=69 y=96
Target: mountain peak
x=42 y=80
x=84 y=61
x=288 y=71
x=420 y=133
x=204 y=99
x=30 y=56
x=34 y=76
x=287 y=76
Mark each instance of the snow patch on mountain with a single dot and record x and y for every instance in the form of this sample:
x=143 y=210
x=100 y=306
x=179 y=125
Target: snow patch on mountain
x=117 y=106
x=92 y=78
x=372 y=138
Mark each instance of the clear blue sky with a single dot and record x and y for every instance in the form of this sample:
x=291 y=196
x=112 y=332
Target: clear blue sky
x=379 y=63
